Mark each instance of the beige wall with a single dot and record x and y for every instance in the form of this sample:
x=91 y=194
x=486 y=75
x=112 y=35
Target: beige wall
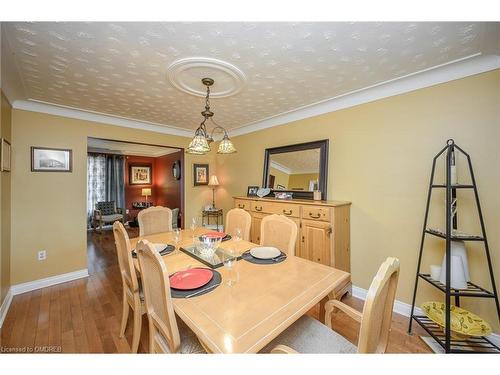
x=280 y=178
x=5 y=203
x=302 y=180
x=380 y=159
x=49 y=209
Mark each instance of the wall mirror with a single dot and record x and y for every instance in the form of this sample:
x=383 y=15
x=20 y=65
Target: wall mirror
x=300 y=169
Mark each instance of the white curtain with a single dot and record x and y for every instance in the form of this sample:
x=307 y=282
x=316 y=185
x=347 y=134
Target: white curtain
x=96 y=182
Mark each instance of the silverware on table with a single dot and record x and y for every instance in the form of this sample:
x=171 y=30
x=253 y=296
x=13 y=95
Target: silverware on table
x=279 y=258
x=201 y=291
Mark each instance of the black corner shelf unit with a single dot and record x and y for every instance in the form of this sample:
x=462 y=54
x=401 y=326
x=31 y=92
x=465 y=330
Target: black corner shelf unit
x=449 y=343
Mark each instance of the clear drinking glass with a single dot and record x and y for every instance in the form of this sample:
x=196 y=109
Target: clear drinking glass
x=176 y=236
x=195 y=223
x=237 y=234
x=230 y=264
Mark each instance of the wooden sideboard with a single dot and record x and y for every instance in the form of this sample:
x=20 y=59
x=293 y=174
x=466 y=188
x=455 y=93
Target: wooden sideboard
x=323 y=227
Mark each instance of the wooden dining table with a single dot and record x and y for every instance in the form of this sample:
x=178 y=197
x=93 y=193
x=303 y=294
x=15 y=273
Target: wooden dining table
x=266 y=299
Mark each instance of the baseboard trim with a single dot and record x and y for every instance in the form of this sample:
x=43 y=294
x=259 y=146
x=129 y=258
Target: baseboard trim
x=4 y=308
x=48 y=281
x=404 y=309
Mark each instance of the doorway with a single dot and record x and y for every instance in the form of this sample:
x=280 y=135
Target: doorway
x=124 y=178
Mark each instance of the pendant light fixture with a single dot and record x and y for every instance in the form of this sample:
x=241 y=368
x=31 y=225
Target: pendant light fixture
x=200 y=144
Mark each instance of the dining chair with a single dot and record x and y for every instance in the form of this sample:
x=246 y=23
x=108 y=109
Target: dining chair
x=166 y=333
x=132 y=292
x=238 y=218
x=154 y=220
x=280 y=232
x=308 y=335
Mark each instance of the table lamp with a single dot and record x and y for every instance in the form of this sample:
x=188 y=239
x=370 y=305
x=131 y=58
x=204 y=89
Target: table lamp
x=213 y=182
x=146 y=192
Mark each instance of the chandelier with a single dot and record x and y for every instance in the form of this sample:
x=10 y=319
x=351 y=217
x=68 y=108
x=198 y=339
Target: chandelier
x=200 y=144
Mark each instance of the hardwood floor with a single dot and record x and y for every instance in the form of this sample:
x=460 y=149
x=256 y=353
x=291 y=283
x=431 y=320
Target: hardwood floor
x=83 y=316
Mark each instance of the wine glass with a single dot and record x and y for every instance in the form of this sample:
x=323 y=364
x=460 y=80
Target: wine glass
x=230 y=261
x=237 y=234
x=176 y=236
x=194 y=224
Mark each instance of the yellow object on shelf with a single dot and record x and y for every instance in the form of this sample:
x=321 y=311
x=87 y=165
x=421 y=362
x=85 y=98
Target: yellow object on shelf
x=462 y=321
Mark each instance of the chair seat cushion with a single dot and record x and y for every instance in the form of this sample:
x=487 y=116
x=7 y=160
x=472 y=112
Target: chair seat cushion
x=307 y=335
x=111 y=218
x=189 y=342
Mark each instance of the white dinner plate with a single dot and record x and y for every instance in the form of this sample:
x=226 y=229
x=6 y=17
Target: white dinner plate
x=160 y=246
x=264 y=252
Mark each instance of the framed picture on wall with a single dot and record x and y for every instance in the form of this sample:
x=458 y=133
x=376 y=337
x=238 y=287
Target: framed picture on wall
x=139 y=174
x=200 y=174
x=5 y=155
x=45 y=159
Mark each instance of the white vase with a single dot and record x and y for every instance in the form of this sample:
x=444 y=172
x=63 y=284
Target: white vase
x=457 y=249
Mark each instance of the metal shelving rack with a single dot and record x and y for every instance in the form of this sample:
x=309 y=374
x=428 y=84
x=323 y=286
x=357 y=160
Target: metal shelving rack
x=449 y=343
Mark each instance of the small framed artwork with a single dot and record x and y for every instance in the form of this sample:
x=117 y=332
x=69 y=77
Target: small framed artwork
x=252 y=191
x=139 y=174
x=200 y=174
x=45 y=159
x=280 y=187
x=5 y=151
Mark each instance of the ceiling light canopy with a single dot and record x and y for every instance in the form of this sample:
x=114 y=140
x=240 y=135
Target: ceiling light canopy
x=200 y=144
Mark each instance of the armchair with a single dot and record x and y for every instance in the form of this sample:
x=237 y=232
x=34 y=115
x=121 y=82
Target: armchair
x=105 y=213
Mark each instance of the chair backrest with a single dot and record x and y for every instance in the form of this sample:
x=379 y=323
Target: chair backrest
x=377 y=312
x=280 y=232
x=154 y=220
x=159 y=307
x=238 y=219
x=106 y=208
x=124 y=252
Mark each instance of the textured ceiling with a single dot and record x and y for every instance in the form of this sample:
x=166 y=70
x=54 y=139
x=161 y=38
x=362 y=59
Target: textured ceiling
x=306 y=161
x=127 y=148
x=120 y=68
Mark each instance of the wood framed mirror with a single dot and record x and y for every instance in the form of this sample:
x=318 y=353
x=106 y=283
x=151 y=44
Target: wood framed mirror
x=299 y=168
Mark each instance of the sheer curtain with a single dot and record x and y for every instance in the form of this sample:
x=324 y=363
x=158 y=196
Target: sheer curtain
x=96 y=182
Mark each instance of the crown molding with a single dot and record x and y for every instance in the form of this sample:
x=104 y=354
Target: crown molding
x=453 y=70
x=80 y=114
x=280 y=167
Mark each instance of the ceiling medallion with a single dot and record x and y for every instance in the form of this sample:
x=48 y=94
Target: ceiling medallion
x=186 y=75
x=200 y=144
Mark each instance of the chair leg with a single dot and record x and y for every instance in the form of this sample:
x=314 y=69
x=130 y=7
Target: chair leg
x=125 y=311
x=137 y=329
x=151 y=337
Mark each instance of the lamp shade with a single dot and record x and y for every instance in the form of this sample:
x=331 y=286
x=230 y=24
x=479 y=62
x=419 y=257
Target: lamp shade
x=226 y=146
x=146 y=192
x=213 y=181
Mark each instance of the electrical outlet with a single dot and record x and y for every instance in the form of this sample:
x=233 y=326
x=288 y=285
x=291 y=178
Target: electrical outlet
x=42 y=255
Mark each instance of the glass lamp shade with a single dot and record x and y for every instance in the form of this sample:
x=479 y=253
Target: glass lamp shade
x=198 y=145
x=226 y=146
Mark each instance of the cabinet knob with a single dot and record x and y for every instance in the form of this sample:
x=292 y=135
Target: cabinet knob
x=287 y=212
